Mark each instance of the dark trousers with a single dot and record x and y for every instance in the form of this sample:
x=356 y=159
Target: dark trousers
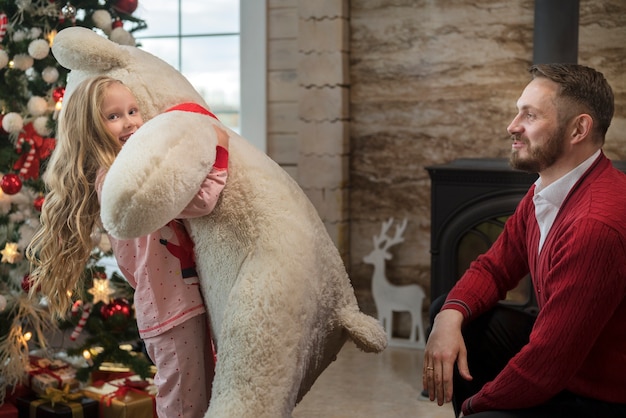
x=492 y=340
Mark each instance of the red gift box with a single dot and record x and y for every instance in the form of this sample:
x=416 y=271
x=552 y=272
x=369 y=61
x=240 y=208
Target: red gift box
x=8 y=410
x=98 y=376
x=13 y=392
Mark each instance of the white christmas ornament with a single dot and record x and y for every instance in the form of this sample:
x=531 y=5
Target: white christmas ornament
x=69 y=11
x=12 y=122
x=35 y=33
x=37 y=106
x=39 y=49
x=50 y=75
x=23 y=61
x=20 y=35
x=102 y=20
x=4 y=58
x=3 y=303
x=41 y=126
x=122 y=36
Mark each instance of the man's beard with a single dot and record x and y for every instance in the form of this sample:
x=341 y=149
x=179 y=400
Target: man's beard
x=541 y=156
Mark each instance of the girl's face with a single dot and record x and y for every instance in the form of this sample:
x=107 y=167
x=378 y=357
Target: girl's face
x=120 y=112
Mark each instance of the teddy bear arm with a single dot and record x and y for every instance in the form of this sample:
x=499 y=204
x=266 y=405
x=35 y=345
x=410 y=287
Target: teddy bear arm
x=157 y=173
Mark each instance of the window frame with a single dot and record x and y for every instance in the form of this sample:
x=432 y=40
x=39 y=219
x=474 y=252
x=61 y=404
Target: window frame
x=253 y=72
x=252 y=68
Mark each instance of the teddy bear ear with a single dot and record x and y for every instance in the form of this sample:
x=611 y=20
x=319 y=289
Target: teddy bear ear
x=78 y=48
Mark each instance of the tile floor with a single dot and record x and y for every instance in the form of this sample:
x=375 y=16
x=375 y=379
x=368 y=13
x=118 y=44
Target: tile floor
x=362 y=385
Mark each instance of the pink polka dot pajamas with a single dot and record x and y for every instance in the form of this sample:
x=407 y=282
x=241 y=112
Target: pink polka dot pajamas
x=170 y=311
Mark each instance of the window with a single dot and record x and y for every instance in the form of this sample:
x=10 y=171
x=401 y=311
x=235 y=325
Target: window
x=201 y=39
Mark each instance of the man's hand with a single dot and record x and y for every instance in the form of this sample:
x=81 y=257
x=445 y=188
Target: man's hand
x=444 y=348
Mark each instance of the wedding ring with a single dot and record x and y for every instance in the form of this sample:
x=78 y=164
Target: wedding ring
x=430 y=368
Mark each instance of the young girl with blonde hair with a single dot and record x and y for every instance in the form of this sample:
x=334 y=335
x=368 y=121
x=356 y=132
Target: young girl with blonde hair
x=97 y=119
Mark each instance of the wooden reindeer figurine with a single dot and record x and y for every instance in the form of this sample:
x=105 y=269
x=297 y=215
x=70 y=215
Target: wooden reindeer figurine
x=390 y=298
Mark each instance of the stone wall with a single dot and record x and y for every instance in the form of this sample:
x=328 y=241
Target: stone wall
x=428 y=82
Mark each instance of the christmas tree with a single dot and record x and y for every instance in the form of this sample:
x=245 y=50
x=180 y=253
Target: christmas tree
x=31 y=93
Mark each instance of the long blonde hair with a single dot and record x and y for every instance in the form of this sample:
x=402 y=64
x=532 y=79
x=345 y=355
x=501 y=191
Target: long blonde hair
x=61 y=248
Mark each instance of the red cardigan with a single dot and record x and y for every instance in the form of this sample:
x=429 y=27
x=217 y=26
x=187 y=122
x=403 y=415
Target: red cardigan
x=578 y=342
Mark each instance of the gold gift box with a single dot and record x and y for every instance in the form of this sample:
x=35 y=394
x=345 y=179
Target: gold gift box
x=130 y=397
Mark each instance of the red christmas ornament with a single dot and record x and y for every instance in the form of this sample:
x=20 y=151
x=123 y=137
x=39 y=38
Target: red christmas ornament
x=11 y=183
x=117 y=306
x=99 y=275
x=38 y=203
x=58 y=93
x=26 y=283
x=117 y=23
x=126 y=6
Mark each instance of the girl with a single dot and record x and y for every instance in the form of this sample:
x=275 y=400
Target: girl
x=96 y=121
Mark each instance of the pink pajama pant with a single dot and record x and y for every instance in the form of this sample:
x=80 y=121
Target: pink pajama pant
x=185 y=367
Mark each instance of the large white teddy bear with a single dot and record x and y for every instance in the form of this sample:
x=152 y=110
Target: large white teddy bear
x=279 y=298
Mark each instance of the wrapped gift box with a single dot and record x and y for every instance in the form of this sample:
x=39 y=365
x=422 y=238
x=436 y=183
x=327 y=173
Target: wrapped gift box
x=8 y=410
x=130 y=397
x=114 y=371
x=44 y=373
x=13 y=392
x=35 y=407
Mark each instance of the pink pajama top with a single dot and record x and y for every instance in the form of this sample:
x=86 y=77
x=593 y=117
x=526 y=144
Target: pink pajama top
x=160 y=266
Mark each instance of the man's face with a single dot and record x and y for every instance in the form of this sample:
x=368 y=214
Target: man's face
x=538 y=137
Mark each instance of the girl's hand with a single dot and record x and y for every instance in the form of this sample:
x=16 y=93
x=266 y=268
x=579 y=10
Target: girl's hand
x=222 y=137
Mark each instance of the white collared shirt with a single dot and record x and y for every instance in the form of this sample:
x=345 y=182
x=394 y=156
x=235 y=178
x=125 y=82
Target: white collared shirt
x=548 y=200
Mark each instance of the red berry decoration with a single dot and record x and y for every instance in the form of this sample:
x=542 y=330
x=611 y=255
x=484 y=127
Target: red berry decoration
x=11 y=183
x=38 y=202
x=126 y=6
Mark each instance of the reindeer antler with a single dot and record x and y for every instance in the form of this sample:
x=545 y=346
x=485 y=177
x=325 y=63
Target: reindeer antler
x=388 y=241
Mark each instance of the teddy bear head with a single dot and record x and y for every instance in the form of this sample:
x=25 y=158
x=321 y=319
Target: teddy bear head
x=155 y=84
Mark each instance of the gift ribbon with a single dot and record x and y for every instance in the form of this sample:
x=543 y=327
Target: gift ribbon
x=57 y=396
x=136 y=386
x=48 y=370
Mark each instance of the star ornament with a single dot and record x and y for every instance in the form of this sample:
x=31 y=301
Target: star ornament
x=10 y=253
x=101 y=291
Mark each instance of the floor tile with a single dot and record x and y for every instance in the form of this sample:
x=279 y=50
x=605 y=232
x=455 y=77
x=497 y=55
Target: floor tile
x=358 y=384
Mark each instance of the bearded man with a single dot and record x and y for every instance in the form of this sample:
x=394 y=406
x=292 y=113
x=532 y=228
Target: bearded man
x=569 y=233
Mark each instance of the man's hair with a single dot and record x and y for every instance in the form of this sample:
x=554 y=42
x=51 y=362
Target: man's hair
x=583 y=86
